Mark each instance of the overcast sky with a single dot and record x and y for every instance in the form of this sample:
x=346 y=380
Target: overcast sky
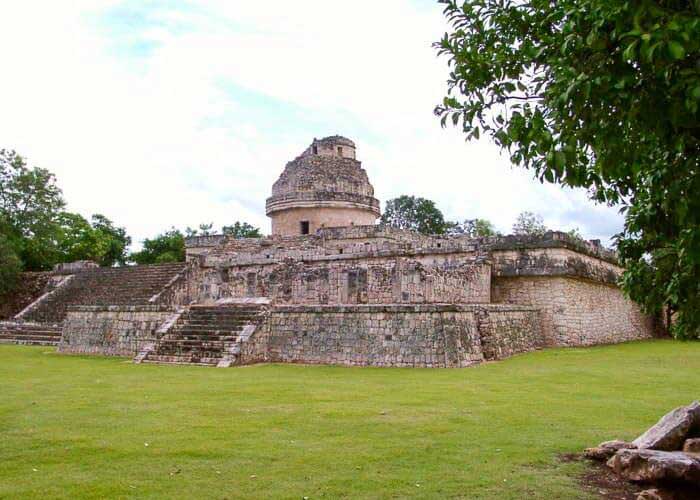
x=174 y=113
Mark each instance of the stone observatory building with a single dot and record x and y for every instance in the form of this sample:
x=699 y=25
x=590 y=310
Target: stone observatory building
x=325 y=186
x=331 y=286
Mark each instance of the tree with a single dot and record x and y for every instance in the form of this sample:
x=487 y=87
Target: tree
x=30 y=202
x=416 y=214
x=242 y=230
x=529 y=224
x=597 y=94
x=114 y=239
x=474 y=228
x=100 y=241
x=166 y=247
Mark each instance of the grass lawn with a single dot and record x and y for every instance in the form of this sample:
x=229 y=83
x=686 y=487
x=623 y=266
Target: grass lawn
x=79 y=427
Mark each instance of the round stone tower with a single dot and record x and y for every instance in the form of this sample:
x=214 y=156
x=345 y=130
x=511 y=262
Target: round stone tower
x=325 y=186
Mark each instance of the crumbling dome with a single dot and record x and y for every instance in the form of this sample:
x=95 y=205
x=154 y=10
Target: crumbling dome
x=325 y=186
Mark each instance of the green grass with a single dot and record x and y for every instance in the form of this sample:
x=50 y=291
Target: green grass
x=78 y=426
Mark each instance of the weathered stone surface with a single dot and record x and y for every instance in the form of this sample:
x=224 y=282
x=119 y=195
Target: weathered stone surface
x=606 y=449
x=692 y=445
x=655 y=465
x=670 y=432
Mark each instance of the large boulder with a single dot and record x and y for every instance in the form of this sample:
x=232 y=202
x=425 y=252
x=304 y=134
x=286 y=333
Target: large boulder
x=655 y=465
x=692 y=445
x=670 y=432
x=606 y=449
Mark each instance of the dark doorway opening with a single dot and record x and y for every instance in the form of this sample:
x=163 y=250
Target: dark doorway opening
x=304 y=225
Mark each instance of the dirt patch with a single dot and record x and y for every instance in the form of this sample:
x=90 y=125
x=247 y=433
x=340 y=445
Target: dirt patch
x=599 y=480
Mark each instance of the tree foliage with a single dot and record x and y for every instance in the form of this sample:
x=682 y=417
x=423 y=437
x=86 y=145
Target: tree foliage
x=100 y=241
x=40 y=233
x=30 y=202
x=414 y=213
x=166 y=247
x=598 y=94
x=242 y=230
x=529 y=224
x=474 y=228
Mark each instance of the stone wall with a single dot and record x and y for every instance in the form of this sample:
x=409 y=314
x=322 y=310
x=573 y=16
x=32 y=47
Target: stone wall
x=576 y=312
x=111 y=330
x=393 y=335
x=506 y=330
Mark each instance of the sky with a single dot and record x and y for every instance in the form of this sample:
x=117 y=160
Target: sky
x=175 y=113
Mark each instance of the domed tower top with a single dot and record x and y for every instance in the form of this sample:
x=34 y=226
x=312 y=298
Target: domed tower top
x=325 y=186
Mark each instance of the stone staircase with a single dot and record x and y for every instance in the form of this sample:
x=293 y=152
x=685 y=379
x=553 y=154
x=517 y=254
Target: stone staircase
x=130 y=285
x=205 y=335
x=12 y=332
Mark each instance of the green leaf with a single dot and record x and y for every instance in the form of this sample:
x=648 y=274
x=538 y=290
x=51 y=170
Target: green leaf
x=676 y=50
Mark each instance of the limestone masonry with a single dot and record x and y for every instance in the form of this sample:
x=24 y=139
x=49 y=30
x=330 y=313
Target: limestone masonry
x=331 y=286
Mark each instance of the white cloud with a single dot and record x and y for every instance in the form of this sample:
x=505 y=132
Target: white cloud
x=136 y=116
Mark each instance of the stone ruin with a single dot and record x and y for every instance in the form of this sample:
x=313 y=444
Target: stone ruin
x=666 y=458
x=331 y=286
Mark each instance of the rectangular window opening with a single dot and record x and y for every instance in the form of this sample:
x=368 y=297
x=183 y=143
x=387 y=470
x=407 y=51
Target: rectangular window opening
x=340 y=151
x=304 y=226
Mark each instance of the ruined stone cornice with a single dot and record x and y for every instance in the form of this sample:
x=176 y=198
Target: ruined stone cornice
x=319 y=199
x=398 y=308
x=551 y=239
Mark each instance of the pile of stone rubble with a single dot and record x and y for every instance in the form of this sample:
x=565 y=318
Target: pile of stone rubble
x=667 y=454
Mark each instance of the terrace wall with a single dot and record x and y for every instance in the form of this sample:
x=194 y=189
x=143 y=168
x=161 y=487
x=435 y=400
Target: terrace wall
x=111 y=330
x=576 y=312
x=393 y=335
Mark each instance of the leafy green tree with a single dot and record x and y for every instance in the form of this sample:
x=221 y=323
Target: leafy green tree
x=242 y=230
x=30 y=202
x=414 y=213
x=474 y=228
x=100 y=241
x=597 y=94
x=529 y=224
x=77 y=240
x=114 y=240
x=166 y=247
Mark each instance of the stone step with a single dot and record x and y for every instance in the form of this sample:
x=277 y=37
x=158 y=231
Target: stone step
x=223 y=310
x=5 y=340
x=181 y=360
x=197 y=343
x=203 y=337
x=218 y=317
x=106 y=286
x=31 y=336
x=186 y=327
x=191 y=355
